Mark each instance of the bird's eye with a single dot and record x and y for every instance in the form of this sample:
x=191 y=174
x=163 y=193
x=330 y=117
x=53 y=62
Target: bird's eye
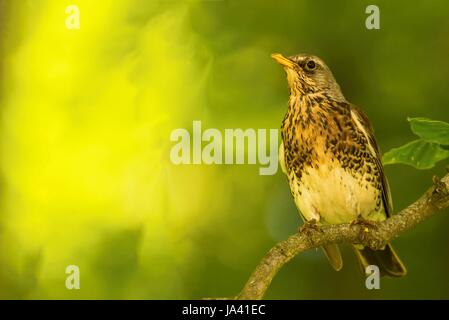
x=311 y=65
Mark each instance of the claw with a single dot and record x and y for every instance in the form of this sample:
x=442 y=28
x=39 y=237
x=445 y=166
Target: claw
x=309 y=226
x=364 y=223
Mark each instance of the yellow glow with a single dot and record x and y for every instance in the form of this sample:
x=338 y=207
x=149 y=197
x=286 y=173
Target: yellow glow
x=85 y=132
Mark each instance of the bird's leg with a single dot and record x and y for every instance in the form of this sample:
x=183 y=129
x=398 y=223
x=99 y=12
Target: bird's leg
x=364 y=223
x=309 y=226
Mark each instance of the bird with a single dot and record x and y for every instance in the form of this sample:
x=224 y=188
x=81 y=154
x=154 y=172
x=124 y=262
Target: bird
x=332 y=161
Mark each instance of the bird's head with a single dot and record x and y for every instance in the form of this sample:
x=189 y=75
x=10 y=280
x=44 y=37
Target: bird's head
x=308 y=74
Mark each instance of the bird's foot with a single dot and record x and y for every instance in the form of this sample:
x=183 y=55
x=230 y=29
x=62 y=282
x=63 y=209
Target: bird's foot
x=364 y=223
x=309 y=227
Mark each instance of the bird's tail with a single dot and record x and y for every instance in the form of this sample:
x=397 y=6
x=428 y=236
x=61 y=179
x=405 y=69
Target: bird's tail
x=387 y=260
x=334 y=256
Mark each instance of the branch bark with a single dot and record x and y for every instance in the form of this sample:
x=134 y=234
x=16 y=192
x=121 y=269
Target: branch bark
x=433 y=200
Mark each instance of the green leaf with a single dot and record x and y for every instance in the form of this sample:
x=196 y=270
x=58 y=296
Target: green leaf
x=419 y=154
x=430 y=130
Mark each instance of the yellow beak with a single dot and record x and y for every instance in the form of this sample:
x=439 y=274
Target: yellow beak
x=286 y=62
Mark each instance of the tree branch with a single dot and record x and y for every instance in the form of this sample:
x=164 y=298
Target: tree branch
x=432 y=201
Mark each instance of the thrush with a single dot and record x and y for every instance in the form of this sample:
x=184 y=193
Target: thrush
x=332 y=161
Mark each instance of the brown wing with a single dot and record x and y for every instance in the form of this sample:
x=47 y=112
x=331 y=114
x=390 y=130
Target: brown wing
x=363 y=123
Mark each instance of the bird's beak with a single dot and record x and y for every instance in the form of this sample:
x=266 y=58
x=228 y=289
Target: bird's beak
x=286 y=62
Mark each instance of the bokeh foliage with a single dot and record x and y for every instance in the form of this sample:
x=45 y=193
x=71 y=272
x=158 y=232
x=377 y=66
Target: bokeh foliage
x=84 y=135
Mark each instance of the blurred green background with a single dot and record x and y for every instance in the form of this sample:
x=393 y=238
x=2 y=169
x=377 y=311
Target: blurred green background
x=86 y=117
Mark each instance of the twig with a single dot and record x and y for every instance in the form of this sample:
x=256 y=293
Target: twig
x=432 y=201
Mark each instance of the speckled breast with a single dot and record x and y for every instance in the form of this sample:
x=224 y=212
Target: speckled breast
x=332 y=175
